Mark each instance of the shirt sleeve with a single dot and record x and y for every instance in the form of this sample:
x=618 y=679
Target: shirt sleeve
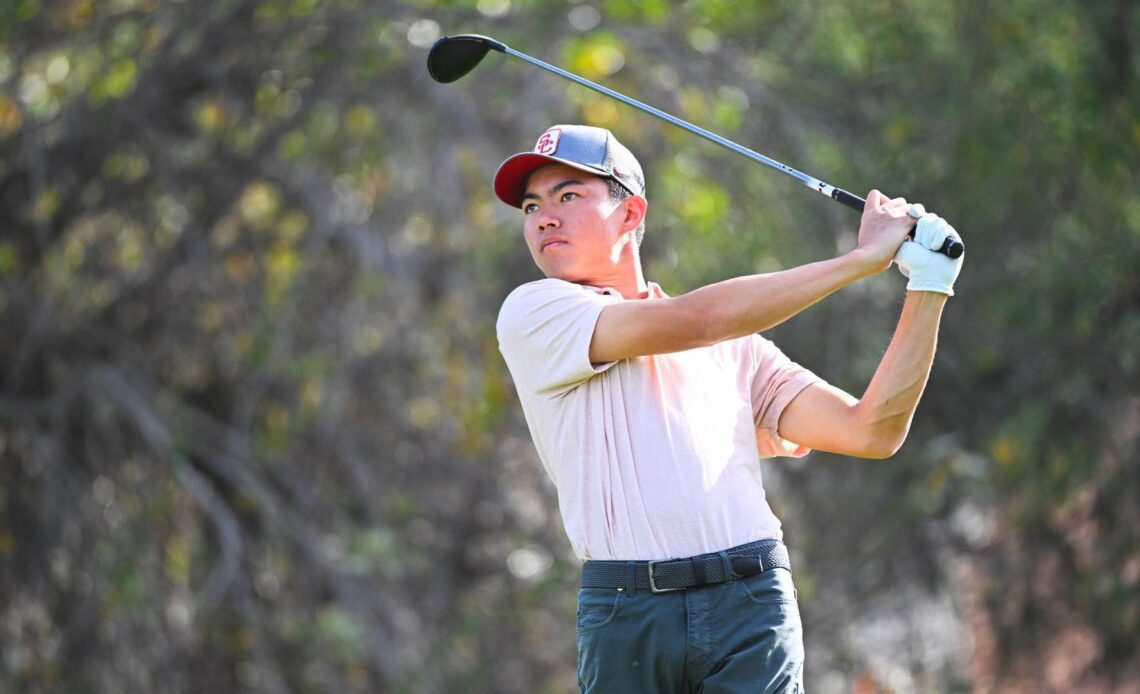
x=776 y=381
x=544 y=330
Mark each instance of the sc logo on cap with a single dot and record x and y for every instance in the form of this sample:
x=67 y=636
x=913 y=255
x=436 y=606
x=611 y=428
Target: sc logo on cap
x=548 y=143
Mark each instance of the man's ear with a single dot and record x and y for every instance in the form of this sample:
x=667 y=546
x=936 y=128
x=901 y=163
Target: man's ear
x=635 y=209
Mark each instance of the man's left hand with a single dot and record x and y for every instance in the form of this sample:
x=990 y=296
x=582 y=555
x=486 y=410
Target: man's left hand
x=918 y=260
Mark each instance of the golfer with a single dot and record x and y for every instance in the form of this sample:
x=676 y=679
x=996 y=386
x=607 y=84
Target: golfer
x=650 y=414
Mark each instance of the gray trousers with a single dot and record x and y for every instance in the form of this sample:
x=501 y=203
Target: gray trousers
x=740 y=636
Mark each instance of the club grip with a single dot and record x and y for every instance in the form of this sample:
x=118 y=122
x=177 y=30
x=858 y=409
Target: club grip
x=848 y=200
x=950 y=247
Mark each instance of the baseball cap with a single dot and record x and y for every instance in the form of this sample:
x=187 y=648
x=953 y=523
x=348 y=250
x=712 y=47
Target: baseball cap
x=590 y=149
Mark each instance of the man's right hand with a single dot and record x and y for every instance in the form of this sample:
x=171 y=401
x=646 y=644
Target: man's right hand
x=885 y=225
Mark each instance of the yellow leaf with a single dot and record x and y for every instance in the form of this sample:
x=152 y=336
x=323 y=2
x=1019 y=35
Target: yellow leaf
x=79 y=14
x=211 y=116
x=281 y=266
x=120 y=80
x=360 y=121
x=259 y=203
x=178 y=559
x=598 y=56
x=311 y=393
x=1004 y=451
x=423 y=412
x=9 y=258
x=601 y=113
x=292 y=226
x=46 y=205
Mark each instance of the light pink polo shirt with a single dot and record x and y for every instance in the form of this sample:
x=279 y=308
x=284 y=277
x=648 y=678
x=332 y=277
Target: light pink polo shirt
x=653 y=457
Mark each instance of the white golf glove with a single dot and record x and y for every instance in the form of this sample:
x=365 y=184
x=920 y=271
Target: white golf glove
x=927 y=270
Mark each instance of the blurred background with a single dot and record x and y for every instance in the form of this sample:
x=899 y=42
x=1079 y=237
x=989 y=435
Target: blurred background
x=255 y=431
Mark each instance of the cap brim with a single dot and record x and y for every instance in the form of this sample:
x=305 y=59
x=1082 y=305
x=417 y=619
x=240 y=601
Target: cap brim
x=511 y=178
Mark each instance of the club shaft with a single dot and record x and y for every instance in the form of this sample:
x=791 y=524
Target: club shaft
x=853 y=201
x=950 y=246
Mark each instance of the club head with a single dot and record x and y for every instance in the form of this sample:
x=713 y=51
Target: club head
x=452 y=57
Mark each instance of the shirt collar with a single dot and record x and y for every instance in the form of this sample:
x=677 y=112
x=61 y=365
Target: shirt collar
x=654 y=290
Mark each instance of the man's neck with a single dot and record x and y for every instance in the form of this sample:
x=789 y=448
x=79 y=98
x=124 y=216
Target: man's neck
x=627 y=278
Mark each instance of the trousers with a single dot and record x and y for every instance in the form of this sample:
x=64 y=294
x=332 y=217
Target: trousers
x=740 y=636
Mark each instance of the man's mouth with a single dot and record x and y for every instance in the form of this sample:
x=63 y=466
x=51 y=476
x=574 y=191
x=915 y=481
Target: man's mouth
x=549 y=243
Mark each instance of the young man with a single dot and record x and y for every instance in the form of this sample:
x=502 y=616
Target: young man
x=650 y=414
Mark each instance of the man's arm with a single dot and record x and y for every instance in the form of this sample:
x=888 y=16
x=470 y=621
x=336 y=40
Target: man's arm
x=751 y=304
x=826 y=418
x=716 y=312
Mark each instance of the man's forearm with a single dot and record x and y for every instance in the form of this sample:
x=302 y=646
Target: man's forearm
x=751 y=304
x=888 y=405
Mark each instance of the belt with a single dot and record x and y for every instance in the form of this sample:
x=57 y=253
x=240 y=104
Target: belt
x=668 y=575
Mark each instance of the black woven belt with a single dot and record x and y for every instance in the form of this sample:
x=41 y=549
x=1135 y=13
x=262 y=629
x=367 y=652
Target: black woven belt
x=668 y=575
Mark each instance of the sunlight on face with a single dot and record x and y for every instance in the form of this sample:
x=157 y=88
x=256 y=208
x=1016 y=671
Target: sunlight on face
x=573 y=229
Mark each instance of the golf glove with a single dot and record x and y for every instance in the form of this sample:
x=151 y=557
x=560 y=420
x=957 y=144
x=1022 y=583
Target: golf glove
x=927 y=270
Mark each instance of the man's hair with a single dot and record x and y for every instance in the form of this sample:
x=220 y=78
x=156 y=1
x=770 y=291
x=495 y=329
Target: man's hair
x=618 y=192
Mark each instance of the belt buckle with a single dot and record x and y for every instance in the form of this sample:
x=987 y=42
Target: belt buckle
x=653 y=583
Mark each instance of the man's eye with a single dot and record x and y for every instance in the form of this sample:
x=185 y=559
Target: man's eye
x=568 y=196
x=530 y=207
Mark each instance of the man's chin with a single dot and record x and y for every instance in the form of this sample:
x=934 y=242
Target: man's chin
x=562 y=274
x=555 y=271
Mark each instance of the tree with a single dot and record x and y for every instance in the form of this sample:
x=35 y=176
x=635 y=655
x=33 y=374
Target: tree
x=255 y=433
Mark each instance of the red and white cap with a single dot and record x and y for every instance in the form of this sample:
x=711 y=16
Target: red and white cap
x=590 y=149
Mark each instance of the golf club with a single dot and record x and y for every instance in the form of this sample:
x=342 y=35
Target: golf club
x=452 y=57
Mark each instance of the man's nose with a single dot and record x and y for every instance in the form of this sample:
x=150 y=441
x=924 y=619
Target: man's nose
x=547 y=222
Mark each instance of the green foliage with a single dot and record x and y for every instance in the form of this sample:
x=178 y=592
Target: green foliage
x=255 y=432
